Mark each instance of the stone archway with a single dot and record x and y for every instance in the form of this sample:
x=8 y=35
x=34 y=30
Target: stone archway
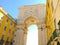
x=29 y=15
x=28 y=22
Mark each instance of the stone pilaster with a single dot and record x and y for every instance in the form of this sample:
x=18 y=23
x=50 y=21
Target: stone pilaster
x=25 y=37
x=19 y=39
x=42 y=36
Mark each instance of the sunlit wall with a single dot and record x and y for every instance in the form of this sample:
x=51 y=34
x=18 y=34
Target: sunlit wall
x=32 y=36
x=1 y=15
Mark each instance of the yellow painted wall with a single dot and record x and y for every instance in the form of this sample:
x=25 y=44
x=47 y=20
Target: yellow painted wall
x=49 y=20
x=8 y=25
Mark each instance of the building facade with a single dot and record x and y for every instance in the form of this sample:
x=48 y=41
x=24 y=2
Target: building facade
x=28 y=15
x=55 y=37
x=46 y=17
x=49 y=20
x=7 y=28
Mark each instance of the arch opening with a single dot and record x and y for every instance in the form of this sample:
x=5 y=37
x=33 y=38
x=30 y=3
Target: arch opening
x=32 y=35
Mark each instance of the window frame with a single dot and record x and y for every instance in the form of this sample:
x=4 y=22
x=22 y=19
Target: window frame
x=5 y=28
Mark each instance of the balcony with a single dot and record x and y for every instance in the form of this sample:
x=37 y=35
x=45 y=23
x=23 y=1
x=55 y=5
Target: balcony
x=55 y=34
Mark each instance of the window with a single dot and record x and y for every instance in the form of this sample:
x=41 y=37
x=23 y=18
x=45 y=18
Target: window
x=2 y=17
x=2 y=36
x=7 y=21
x=9 y=30
x=13 y=32
x=48 y=4
x=47 y=12
x=2 y=40
x=11 y=23
x=0 y=24
x=5 y=28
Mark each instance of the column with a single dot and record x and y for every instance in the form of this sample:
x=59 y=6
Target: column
x=25 y=37
x=19 y=36
x=39 y=35
x=42 y=35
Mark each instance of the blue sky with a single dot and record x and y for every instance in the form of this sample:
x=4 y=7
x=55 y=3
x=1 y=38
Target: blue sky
x=11 y=6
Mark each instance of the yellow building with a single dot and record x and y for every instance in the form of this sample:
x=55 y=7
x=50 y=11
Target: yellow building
x=49 y=20
x=53 y=36
x=7 y=27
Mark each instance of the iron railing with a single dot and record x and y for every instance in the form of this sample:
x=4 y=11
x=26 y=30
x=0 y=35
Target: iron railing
x=55 y=34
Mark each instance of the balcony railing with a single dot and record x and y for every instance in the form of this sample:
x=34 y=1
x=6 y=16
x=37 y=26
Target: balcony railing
x=55 y=34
